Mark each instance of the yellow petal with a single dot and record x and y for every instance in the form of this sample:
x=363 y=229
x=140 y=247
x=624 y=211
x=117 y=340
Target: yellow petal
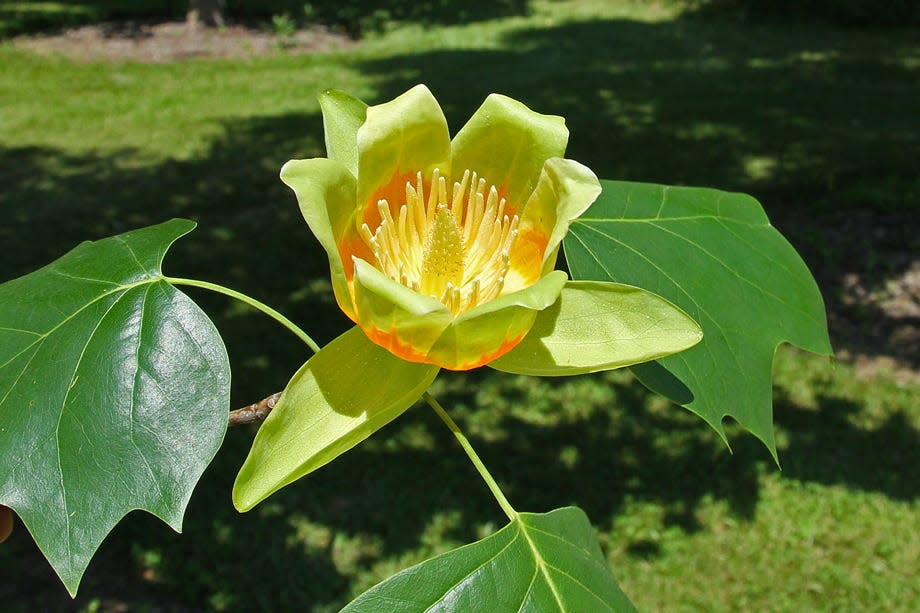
x=399 y=139
x=491 y=330
x=507 y=144
x=393 y=316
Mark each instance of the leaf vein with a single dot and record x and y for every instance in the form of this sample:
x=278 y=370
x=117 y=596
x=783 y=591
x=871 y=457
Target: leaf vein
x=127 y=245
x=57 y=271
x=57 y=428
x=541 y=566
x=733 y=272
x=581 y=585
x=134 y=389
x=475 y=571
x=32 y=332
x=703 y=346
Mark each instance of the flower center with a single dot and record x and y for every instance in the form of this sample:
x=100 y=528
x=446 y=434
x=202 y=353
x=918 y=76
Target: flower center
x=456 y=252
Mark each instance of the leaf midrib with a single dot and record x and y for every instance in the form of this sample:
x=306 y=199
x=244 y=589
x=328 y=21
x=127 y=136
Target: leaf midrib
x=118 y=292
x=543 y=569
x=57 y=427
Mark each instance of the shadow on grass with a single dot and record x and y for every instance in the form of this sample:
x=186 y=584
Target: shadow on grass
x=674 y=102
x=826 y=447
x=855 y=13
x=548 y=442
x=251 y=235
x=358 y=17
x=252 y=238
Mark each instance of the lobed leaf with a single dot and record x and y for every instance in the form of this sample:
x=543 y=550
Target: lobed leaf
x=114 y=394
x=716 y=256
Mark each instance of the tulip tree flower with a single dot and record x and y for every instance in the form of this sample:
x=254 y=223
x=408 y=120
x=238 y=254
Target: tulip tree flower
x=442 y=251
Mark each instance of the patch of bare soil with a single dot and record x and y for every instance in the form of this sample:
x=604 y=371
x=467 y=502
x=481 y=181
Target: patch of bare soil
x=171 y=41
x=882 y=325
x=868 y=268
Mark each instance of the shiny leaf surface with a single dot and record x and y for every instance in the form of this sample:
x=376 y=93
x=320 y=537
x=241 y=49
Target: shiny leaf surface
x=114 y=394
x=540 y=563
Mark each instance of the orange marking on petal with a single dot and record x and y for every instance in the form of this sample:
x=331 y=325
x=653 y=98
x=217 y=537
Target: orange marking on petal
x=527 y=254
x=507 y=345
x=511 y=207
x=352 y=245
x=389 y=340
x=394 y=192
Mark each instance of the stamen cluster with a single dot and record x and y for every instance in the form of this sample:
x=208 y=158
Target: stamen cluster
x=457 y=253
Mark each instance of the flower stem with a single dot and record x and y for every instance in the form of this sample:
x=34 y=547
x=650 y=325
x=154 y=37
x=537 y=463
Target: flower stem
x=465 y=443
x=284 y=321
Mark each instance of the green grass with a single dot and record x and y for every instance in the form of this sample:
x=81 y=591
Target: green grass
x=816 y=122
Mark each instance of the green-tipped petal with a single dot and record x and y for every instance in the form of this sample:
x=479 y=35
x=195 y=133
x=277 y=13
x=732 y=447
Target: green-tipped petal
x=507 y=144
x=326 y=194
x=342 y=395
x=395 y=317
x=565 y=190
x=343 y=114
x=399 y=138
x=489 y=330
x=600 y=326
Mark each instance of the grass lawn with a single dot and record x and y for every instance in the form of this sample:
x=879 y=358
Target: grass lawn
x=819 y=123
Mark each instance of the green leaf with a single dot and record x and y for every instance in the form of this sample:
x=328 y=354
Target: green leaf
x=114 y=394
x=539 y=562
x=715 y=255
x=600 y=326
x=342 y=395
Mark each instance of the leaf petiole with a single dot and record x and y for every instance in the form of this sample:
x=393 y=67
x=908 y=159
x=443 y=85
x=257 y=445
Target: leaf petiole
x=474 y=458
x=431 y=400
x=259 y=306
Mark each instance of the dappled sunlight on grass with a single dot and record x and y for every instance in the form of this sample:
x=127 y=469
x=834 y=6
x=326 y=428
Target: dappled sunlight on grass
x=816 y=122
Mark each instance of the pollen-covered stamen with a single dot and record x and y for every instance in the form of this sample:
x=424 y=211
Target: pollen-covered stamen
x=456 y=250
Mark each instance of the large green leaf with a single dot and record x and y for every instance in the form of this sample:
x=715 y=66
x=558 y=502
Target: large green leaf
x=342 y=395
x=715 y=255
x=539 y=562
x=114 y=394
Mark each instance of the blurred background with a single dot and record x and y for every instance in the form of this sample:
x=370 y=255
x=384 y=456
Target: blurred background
x=117 y=114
